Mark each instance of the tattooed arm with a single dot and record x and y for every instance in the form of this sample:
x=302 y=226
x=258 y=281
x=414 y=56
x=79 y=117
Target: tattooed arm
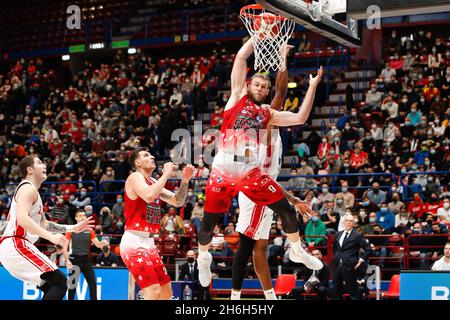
x=178 y=198
x=62 y=228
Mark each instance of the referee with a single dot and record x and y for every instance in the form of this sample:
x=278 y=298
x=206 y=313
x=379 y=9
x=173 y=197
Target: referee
x=79 y=256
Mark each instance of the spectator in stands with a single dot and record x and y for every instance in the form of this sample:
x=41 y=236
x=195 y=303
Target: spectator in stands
x=443 y=264
x=316 y=282
x=349 y=198
x=172 y=223
x=368 y=228
x=387 y=73
x=291 y=103
x=349 y=136
x=376 y=195
x=330 y=219
x=346 y=169
x=417 y=251
x=416 y=207
x=373 y=99
x=314 y=231
x=117 y=209
x=339 y=209
x=107 y=258
x=325 y=195
x=444 y=212
x=304 y=44
x=386 y=218
x=106 y=220
x=394 y=43
x=219 y=247
x=414 y=116
x=197 y=213
x=378 y=244
x=82 y=200
x=61 y=212
x=358 y=158
x=395 y=206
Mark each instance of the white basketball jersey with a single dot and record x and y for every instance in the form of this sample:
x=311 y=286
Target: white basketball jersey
x=272 y=159
x=36 y=212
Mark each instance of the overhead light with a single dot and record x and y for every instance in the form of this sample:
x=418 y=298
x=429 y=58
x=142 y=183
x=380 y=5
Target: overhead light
x=65 y=57
x=131 y=50
x=292 y=85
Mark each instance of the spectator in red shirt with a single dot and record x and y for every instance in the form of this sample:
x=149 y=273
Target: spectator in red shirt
x=358 y=158
x=144 y=106
x=396 y=62
x=217 y=117
x=434 y=204
x=416 y=207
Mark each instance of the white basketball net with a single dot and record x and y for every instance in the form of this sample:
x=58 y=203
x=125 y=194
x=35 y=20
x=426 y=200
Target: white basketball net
x=269 y=40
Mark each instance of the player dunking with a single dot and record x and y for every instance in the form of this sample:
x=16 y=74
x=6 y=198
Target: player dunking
x=142 y=212
x=236 y=166
x=254 y=220
x=26 y=223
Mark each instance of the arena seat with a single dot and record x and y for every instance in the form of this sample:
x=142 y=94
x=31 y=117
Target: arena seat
x=394 y=288
x=284 y=284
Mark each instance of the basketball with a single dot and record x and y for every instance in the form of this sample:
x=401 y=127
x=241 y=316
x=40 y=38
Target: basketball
x=266 y=26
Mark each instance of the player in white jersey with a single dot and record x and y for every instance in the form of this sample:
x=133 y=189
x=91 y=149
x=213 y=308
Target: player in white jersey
x=255 y=220
x=26 y=223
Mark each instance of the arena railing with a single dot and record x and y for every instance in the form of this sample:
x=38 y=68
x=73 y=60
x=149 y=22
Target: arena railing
x=428 y=249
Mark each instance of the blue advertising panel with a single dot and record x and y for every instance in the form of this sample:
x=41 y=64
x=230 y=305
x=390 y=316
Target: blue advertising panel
x=112 y=284
x=424 y=285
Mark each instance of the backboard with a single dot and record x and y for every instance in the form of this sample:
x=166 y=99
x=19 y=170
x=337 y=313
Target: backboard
x=357 y=9
x=317 y=16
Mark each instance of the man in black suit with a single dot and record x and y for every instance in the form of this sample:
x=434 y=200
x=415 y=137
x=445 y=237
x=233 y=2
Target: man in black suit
x=347 y=246
x=315 y=281
x=189 y=272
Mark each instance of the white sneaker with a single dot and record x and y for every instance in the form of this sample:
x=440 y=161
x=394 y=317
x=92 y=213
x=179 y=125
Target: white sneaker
x=204 y=268
x=307 y=259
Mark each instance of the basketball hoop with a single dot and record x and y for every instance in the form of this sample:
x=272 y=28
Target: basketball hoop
x=270 y=34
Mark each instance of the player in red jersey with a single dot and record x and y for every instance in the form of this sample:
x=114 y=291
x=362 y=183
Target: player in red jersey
x=142 y=212
x=237 y=167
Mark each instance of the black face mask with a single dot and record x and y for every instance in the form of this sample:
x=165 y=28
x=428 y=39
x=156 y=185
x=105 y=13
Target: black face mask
x=190 y=260
x=105 y=249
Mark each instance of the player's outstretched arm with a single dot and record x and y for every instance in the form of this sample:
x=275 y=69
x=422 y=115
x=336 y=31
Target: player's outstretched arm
x=146 y=192
x=178 y=198
x=239 y=74
x=25 y=198
x=286 y=118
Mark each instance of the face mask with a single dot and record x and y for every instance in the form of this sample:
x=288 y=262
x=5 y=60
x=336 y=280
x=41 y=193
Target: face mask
x=88 y=213
x=61 y=201
x=190 y=194
x=346 y=165
x=108 y=173
x=344 y=189
x=324 y=140
x=200 y=165
x=365 y=203
x=119 y=224
x=303 y=164
x=3 y=218
x=119 y=200
x=375 y=190
x=339 y=201
x=347 y=128
x=384 y=209
x=83 y=193
x=314 y=219
x=372 y=220
x=332 y=152
x=190 y=260
x=414 y=168
x=432 y=151
x=416 y=231
x=105 y=249
x=427 y=163
x=413 y=110
x=200 y=203
x=446 y=205
x=324 y=190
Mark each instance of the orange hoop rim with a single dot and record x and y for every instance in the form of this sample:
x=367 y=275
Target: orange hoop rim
x=244 y=12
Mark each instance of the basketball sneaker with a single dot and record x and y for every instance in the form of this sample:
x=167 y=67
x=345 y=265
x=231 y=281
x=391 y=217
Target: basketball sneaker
x=301 y=256
x=204 y=268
